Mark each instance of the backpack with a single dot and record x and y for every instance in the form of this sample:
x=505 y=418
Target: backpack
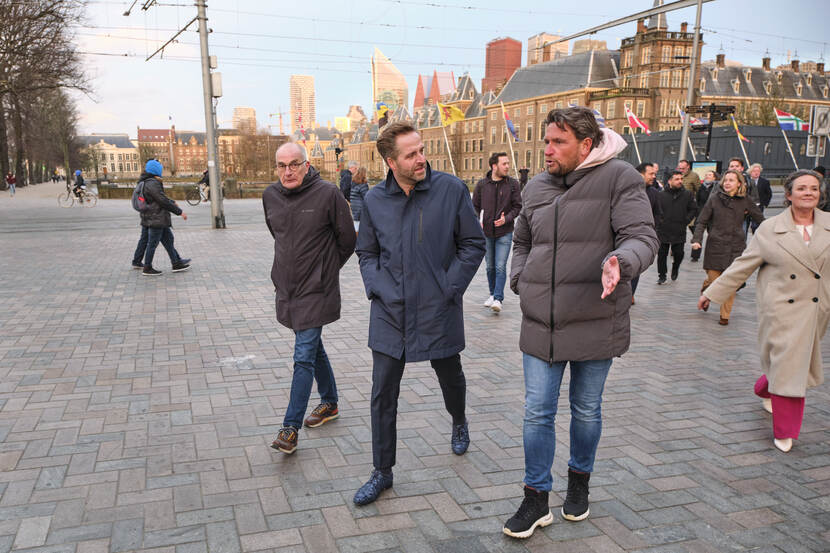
x=139 y=201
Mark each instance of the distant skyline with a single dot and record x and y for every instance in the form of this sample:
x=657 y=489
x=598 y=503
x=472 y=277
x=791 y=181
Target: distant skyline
x=258 y=47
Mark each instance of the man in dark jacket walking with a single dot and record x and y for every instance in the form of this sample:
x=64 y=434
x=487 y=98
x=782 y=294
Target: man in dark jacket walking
x=313 y=238
x=156 y=222
x=585 y=230
x=346 y=179
x=420 y=245
x=679 y=208
x=500 y=199
x=762 y=189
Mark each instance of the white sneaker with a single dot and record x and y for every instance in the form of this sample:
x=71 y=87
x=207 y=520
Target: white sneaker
x=767 y=403
x=784 y=445
x=489 y=302
x=496 y=306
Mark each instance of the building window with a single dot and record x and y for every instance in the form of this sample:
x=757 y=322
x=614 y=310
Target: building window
x=809 y=79
x=517 y=112
x=824 y=91
x=557 y=105
x=480 y=161
x=666 y=54
x=492 y=135
x=480 y=144
x=798 y=88
x=112 y=167
x=466 y=146
x=627 y=105
x=493 y=115
x=120 y=167
x=643 y=81
x=530 y=109
x=626 y=81
x=112 y=158
x=466 y=164
x=528 y=159
x=543 y=109
x=503 y=134
x=664 y=79
x=541 y=159
x=685 y=78
x=736 y=86
x=529 y=136
x=627 y=59
x=645 y=57
x=678 y=52
x=542 y=130
x=641 y=108
x=612 y=109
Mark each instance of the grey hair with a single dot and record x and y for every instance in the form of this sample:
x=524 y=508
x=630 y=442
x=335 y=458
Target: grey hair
x=353 y=163
x=580 y=119
x=298 y=147
x=754 y=165
x=788 y=182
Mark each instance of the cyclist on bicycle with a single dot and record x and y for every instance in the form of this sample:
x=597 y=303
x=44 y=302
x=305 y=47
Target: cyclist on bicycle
x=204 y=184
x=80 y=186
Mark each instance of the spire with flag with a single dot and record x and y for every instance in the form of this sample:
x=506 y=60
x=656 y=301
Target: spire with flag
x=789 y=122
x=634 y=121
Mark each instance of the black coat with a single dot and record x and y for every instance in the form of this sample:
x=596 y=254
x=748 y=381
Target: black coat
x=495 y=198
x=346 y=184
x=418 y=254
x=313 y=237
x=358 y=193
x=764 y=191
x=653 y=193
x=723 y=216
x=159 y=206
x=679 y=208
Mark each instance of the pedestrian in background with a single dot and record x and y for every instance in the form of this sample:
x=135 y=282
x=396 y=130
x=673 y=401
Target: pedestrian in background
x=584 y=232
x=792 y=254
x=11 y=181
x=648 y=171
x=156 y=219
x=723 y=216
x=710 y=181
x=498 y=199
x=678 y=208
x=313 y=238
x=420 y=245
x=346 y=179
x=360 y=187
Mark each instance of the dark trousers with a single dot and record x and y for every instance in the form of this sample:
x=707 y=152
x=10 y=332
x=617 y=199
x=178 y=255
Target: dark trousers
x=386 y=387
x=165 y=236
x=695 y=253
x=138 y=256
x=663 y=254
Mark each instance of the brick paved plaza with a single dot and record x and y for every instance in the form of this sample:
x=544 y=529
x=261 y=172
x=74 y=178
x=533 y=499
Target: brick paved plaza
x=136 y=413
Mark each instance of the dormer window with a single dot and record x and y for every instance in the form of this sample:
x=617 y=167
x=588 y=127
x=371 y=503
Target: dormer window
x=767 y=87
x=825 y=90
x=798 y=88
x=809 y=79
x=748 y=75
x=702 y=86
x=778 y=76
x=714 y=73
x=736 y=86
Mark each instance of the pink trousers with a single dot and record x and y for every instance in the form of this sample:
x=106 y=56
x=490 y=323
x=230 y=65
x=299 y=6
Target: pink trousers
x=787 y=412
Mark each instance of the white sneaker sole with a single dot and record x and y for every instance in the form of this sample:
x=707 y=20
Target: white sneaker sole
x=181 y=269
x=576 y=518
x=546 y=520
x=496 y=308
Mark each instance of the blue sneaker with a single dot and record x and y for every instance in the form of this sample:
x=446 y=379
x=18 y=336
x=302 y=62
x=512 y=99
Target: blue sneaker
x=370 y=491
x=460 y=438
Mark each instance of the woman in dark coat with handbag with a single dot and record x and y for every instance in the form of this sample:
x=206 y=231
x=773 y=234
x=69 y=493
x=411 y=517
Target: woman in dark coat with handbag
x=723 y=214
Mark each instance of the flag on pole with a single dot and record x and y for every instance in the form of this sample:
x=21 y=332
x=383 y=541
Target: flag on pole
x=600 y=119
x=735 y=124
x=509 y=124
x=382 y=112
x=634 y=121
x=789 y=122
x=449 y=114
x=693 y=121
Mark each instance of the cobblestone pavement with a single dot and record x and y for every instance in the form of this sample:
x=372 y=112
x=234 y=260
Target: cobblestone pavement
x=136 y=413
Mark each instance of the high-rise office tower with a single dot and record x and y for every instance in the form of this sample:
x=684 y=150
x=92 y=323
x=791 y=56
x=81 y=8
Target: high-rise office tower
x=244 y=120
x=537 y=52
x=504 y=56
x=388 y=84
x=303 y=105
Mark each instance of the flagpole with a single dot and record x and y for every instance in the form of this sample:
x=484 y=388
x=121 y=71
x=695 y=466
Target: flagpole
x=787 y=140
x=510 y=139
x=740 y=142
x=636 y=149
x=691 y=149
x=449 y=151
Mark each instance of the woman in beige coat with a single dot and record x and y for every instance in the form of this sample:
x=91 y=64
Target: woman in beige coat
x=792 y=250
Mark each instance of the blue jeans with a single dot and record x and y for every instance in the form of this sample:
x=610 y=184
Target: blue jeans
x=310 y=363
x=138 y=256
x=542 y=382
x=498 y=249
x=165 y=236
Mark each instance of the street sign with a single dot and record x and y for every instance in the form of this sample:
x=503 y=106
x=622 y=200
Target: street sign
x=816 y=145
x=820 y=120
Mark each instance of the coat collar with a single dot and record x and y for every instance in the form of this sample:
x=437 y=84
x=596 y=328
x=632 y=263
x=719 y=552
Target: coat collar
x=790 y=240
x=392 y=186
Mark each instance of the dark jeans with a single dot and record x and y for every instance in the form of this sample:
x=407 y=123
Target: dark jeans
x=310 y=363
x=165 y=236
x=662 y=256
x=386 y=387
x=138 y=256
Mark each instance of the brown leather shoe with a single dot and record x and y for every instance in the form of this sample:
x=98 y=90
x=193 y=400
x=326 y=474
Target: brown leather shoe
x=322 y=414
x=286 y=440
x=723 y=321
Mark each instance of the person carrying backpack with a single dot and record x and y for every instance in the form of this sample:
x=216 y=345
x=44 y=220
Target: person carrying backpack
x=155 y=208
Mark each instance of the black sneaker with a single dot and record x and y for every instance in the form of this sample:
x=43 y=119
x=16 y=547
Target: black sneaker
x=460 y=440
x=533 y=512
x=661 y=279
x=370 y=491
x=138 y=265
x=674 y=272
x=149 y=271
x=182 y=265
x=576 y=502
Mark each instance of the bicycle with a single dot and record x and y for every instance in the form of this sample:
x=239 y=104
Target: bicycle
x=86 y=197
x=197 y=194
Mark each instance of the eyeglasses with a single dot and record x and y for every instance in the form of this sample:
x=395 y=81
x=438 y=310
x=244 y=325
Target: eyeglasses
x=294 y=166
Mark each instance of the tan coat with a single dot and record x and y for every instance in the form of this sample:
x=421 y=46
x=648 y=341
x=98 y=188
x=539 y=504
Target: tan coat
x=793 y=298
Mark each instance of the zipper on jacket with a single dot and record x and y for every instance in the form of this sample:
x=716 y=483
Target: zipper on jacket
x=553 y=269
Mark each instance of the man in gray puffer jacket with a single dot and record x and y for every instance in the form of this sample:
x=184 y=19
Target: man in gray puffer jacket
x=585 y=230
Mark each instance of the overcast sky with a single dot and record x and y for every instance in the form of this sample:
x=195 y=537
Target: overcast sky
x=260 y=43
